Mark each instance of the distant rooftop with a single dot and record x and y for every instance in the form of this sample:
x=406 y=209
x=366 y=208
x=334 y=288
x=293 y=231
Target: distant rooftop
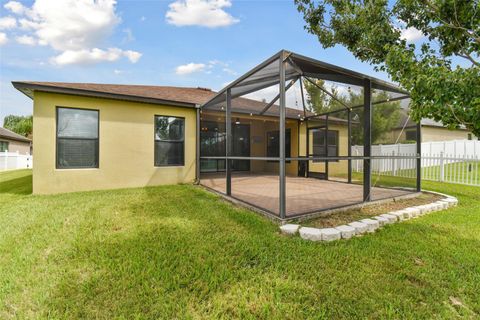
x=10 y=135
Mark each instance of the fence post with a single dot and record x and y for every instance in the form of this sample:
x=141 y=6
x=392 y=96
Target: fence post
x=17 y=156
x=5 y=164
x=442 y=168
x=394 y=164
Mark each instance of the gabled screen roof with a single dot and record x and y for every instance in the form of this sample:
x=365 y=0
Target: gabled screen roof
x=266 y=75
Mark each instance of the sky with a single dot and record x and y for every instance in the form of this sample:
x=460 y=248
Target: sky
x=192 y=43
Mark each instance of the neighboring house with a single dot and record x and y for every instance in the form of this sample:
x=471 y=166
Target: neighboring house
x=13 y=142
x=431 y=131
x=101 y=136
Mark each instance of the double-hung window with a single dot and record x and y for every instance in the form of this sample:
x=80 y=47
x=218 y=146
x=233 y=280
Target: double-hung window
x=77 y=138
x=169 y=141
x=325 y=147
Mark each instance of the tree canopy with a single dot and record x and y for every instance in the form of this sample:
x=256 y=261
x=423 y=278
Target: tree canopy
x=385 y=116
x=441 y=71
x=22 y=125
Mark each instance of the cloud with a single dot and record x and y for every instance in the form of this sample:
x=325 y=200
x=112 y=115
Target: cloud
x=3 y=38
x=230 y=71
x=116 y=71
x=8 y=23
x=15 y=7
x=205 y=13
x=76 y=29
x=190 y=68
x=74 y=25
x=128 y=35
x=411 y=34
x=26 y=40
x=208 y=68
x=133 y=56
x=92 y=56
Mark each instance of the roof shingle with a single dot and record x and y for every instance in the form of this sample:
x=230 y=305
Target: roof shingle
x=7 y=134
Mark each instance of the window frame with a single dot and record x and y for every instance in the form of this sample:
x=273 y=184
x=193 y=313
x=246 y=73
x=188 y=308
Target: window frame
x=326 y=136
x=57 y=138
x=409 y=133
x=169 y=141
x=7 y=143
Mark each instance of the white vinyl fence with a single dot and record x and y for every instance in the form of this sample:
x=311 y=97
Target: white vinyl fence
x=456 y=161
x=15 y=160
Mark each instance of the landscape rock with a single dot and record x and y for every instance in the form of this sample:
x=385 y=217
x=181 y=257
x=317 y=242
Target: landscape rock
x=372 y=224
x=413 y=212
x=382 y=220
x=390 y=217
x=346 y=231
x=360 y=227
x=312 y=234
x=399 y=214
x=290 y=229
x=331 y=234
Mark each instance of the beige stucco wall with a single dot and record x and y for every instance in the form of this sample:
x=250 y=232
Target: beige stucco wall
x=443 y=134
x=126 y=146
x=17 y=146
x=434 y=134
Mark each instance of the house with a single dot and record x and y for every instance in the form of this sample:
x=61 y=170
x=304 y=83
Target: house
x=13 y=142
x=431 y=130
x=102 y=136
x=276 y=157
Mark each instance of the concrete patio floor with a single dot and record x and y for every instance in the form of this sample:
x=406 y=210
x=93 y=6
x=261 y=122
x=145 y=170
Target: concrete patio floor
x=303 y=195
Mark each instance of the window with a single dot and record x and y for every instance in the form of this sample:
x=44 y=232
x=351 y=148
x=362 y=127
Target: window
x=3 y=146
x=319 y=144
x=169 y=141
x=77 y=138
x=411 y=135
x=273 y=144
x=469 y=136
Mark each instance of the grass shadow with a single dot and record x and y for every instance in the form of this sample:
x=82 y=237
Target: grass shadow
x=16 y=182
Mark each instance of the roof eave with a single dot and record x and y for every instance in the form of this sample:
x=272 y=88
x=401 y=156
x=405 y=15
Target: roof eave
x=28 y=89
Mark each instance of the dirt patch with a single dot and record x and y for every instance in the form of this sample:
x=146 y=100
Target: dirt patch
x=345 y=217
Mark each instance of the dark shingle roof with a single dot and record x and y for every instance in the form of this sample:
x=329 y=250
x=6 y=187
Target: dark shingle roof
x=7 y=134
x=182 y=96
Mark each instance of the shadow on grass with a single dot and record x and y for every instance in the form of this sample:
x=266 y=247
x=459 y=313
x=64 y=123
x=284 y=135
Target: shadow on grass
x=21 y=185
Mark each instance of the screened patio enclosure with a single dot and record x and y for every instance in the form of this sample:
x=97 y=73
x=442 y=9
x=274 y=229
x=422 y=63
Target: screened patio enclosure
x=294 y=136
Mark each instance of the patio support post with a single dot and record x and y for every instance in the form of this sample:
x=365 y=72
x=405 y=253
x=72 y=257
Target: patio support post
x=367 y=139
x=282 y=137
x=326 y=147
x=307 y=151
x=349 y=143
x=228 y=142
x=197 y=146
x=419 y=159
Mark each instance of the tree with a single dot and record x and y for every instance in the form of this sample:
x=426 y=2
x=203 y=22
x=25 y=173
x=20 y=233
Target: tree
x=442 y=74
x=22 y=125
x=317 y=100
x=385 y=116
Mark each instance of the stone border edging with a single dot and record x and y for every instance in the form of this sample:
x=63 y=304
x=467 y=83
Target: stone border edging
x=369 y=225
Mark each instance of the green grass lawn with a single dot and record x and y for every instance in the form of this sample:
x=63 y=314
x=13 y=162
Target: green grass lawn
x=181 y=252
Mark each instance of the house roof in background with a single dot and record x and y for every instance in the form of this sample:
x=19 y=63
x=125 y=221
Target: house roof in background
x=424 y=122
x=10 y=135
x=175 y=96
